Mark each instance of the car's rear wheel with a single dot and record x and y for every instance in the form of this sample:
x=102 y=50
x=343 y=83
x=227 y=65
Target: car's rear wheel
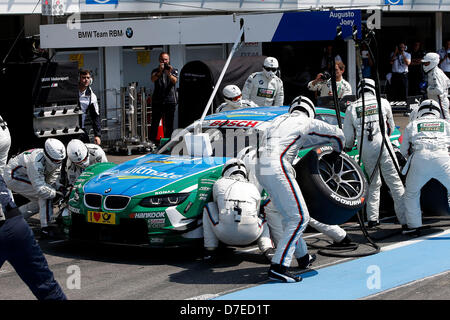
x=334 y=192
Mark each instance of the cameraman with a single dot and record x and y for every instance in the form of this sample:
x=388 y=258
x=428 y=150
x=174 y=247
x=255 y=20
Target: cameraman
x=322 y=83
x=400 y=60
x=164 y=97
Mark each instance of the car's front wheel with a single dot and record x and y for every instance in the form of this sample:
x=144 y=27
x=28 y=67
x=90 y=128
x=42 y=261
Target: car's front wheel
x=334 y=192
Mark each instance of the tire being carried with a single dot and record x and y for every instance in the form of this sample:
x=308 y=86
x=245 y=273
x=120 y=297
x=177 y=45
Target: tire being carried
x=334 y=193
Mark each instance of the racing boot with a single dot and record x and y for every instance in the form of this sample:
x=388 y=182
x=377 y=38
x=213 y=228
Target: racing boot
x=306 y=261
x=47 y=233
x=410 y=231
x=210 y=256
x=372 y=224
x=268 y=254
x=280 y=273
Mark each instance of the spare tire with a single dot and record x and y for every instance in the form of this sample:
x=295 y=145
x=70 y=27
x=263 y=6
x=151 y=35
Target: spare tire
x=334 y=193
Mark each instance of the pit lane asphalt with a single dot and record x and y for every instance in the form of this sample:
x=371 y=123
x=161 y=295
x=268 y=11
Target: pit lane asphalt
x=110 y=272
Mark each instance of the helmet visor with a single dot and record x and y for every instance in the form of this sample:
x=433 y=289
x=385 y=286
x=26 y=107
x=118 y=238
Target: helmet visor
x=270 y=69
x=81 y=162
x=235 y=98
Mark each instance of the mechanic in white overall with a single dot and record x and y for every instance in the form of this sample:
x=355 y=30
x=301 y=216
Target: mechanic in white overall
x=425 y=141
x=274 y=219
x=34 y=174
x=438 y=82
x=5 y=144
x=80 y=156
x=372 y=146
x=264 y=88
x=280 y=144
x=233 y=217
x=233 y=99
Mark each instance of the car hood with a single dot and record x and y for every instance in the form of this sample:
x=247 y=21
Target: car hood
x=149 y=173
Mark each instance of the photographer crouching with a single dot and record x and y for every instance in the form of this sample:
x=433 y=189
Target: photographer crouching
x=164 y=99
x=322 y=83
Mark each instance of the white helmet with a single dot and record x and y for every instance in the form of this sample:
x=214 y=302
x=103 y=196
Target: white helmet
x=78 y=153
x=303 y=104
x=232 y=95
x=366 y=85
x=427 y=107
x=433 y=59
x=270 y=67
x=234 y=166
x=54 y=151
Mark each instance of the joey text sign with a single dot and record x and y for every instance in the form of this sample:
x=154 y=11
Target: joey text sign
x=320 y=25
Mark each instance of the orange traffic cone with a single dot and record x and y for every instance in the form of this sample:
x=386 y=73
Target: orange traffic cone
x=160 y=133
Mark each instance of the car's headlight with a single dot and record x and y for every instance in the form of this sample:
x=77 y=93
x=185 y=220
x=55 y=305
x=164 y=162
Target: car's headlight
x=166 y=200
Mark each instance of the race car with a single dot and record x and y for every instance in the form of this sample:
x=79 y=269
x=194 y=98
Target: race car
x=158 y=199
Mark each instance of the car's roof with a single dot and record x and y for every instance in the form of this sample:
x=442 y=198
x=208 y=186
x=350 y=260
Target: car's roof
x=253 y=117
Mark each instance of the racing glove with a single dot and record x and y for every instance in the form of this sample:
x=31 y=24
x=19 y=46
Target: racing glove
x=6 y=201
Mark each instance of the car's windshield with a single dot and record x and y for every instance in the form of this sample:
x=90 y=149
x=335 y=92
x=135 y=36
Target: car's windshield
x=328 y=118
x=225 y=142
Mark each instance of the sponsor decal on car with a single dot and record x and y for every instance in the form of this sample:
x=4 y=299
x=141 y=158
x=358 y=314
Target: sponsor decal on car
x=234 y=123
x=101 y=217
x=73 y=209
x=159 y=161
x=148 y=172
x=324 y=148
x=156 y=223
x=164 y=192
x=147 y=215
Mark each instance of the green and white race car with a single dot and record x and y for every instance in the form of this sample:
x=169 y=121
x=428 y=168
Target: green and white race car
x=158 y=199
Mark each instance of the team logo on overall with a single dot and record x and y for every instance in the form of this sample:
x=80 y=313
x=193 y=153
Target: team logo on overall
x=368 y=111
x=431 y=126
x=265 y=93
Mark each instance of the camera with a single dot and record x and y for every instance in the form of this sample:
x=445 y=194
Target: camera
x=166 y=66
x=325 y=76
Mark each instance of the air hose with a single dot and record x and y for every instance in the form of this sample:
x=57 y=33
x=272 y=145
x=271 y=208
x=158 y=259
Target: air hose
x=331 y=249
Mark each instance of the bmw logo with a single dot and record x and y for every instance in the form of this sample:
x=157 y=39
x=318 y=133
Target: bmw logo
x=261 y=81
x=108 y=190
x=129 y=32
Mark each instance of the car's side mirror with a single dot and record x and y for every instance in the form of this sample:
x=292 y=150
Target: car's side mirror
x=198 y=145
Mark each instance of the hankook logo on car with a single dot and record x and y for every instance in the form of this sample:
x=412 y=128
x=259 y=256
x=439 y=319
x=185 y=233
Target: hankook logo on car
x=147 y=215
